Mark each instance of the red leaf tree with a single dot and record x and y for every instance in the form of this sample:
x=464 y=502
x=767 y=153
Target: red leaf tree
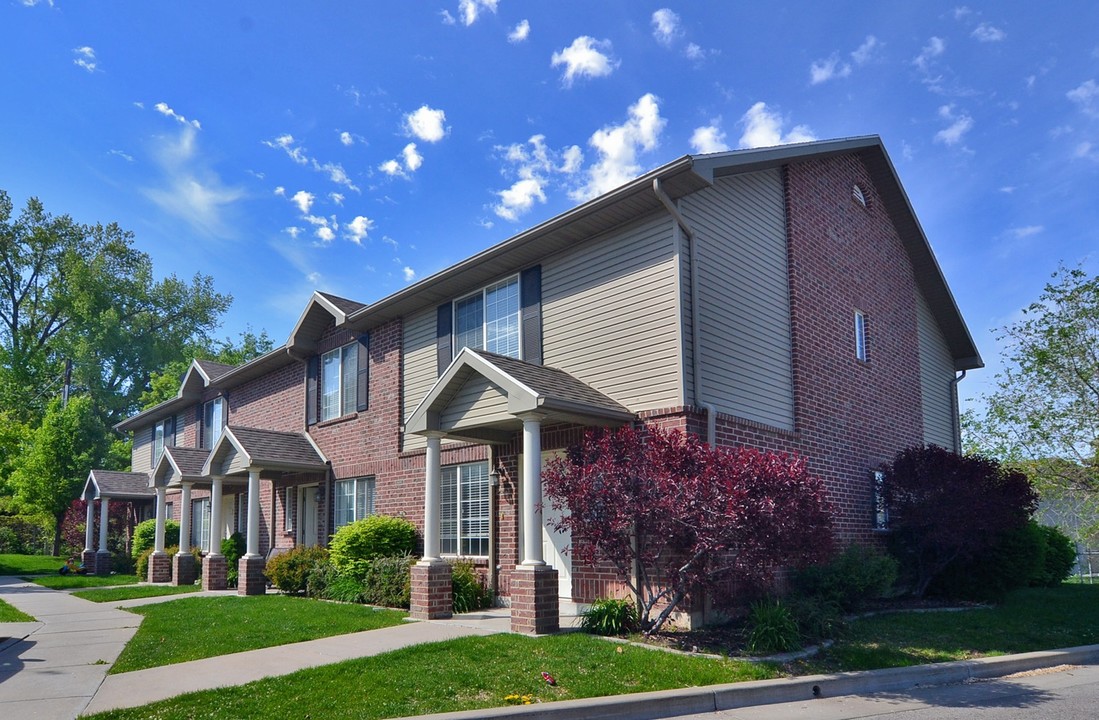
x=944 y=507
x=673 y=515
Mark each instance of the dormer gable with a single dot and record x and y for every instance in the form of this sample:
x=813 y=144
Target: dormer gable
x=322 y=310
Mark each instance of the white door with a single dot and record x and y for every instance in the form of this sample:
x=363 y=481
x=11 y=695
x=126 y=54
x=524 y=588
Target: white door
x=554 y=543
x=307 y=516
x=228 y=518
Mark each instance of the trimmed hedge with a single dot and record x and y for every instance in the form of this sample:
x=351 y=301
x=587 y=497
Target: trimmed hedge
x=145 y=535
x=289 y=571
x=357 y=543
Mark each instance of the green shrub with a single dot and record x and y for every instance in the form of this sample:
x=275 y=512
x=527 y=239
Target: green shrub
x=817 y=619
x=232 y=547
x=290 y=570
x=388 y=581
x=469 y=592
x=356 y=543
x=772 y=628
x=856 y=576
x=1060 y=557
x=145 y=535
x=319 y=578
x=610 y=616
x=344 y=588
x=1011 y=562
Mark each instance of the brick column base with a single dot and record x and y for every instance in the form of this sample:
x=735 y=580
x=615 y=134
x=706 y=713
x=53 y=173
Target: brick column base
x=103 y=563
x=183 y=569
x=432 y=594
x=160 y=567
x=213 y=572
x=87 y=559
x=250 y=579
x=534 y=604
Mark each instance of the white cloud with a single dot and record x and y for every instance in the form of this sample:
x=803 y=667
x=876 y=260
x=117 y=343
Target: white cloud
x=292 y=232
x=346 y=138
x=1086 y=96
x=409 y=274
x=286 y=143
x=297 y=153
x=280 y=191
x=985 y=32
x=358 y=228
x=763 y=128
x=694 y=51
x=391 y=168
x=1008 y=189
x=709 y=139
x=961 y=11
x=304 y=201
x=85 y=58
x=935 y=47
x=1086 y=150
x=336 y=198
x=448 y=19
x=571 y=159
x=959 y=126
x=32 y=3
x=412 y=159
x=619 y=145
x=426 y=123
x=533 y=164
x=666 y=27
x=865 y=53
x=325 y=227
x=520 y=33
x=469 y=10
x=586 y=57
x=824 y=70
x=166 y=111
x=1024 y=232
x=519 y=198
x=124 y=155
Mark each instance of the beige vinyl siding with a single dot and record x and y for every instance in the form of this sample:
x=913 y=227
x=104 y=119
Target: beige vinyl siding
x=419 y=369
x=610 y=314
x=141 y=456
x=744 y=297
x=477 y=402
x=936 y=373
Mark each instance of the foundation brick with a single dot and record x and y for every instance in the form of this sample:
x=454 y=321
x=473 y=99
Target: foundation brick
x=183 y=569
x=160 y=567
x=213 y=572
x=432 y=595
x=250 y=577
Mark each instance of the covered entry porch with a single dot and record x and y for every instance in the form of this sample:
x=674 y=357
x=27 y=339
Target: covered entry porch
x=105 y=486
x=487 y=398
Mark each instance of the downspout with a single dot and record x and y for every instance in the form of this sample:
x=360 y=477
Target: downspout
x=954 y=419
x=696 y=342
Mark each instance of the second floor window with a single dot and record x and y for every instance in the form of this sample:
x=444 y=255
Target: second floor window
x=213 y=420
x=860 y=336
x=339 y=369
x=489 y=319
x=164 y=435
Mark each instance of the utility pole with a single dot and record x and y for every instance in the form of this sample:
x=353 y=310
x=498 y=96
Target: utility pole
x=68 y=383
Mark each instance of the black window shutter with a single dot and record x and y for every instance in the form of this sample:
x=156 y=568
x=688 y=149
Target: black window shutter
x=200 y=420
x=170 y=427
x=530 y=318
x=152 y=447
x=312 y=371
x=362 y=391
x=224 y=411
x=444 y=346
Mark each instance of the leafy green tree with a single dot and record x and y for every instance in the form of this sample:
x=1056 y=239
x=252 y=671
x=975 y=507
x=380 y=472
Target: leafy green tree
x=13 y=436
x=84 y=293
x=164 y=383
x=59 y=454
x=1044 y=412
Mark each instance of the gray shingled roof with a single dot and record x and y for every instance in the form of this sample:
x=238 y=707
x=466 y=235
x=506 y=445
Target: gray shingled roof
x=556 y=385
x=345 y=305
x=277 y=448
x=213 y=369
x=122 y=485
x=188 y=460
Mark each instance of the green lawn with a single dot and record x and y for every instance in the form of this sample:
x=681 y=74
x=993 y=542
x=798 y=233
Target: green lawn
x=10 y=614
x=458 y=674
x=194 y=628
x=69 y=582
x=29 y=564
x=135 y=591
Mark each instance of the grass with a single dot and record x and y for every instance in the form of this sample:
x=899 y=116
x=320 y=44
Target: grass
x=473 y=673
x=194 y=628
x=29 y=564
x=136 y=591
x=70 y=582
x=467 y=673
x=10 y=614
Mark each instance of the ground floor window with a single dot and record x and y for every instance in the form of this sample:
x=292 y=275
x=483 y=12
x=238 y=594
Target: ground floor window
x=352 y=500
x=465 y=511
x=200 y=524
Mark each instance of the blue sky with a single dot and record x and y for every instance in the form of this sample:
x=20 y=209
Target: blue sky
x=283 y=147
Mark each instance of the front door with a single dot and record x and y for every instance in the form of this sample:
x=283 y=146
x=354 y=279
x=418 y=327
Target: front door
x=554 y=544
x=228 y=518
x=307 y=516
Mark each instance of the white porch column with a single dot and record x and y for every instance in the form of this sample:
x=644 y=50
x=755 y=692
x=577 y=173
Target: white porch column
x=158 y=538
x=532 y=491
x=185 y=520
x=104 y=502
x=252 y=541
x=215 y=516
x=89 y=527
x=432 y=498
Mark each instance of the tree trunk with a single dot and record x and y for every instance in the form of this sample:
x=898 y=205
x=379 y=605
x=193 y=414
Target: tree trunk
x=57 y=520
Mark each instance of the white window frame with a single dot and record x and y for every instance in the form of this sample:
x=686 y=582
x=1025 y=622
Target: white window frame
x=342 y=399
x=514 y=318
x=201 y=519
x=462 y=532
x=210 y=433
x=289 y=508
x=160 y=435
x=361 y=500
x=860 y=336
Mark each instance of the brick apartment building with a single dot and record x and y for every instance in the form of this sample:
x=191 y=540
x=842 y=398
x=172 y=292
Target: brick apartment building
x=783 y=298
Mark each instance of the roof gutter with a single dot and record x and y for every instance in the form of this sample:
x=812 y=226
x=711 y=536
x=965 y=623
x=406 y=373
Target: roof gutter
x=696 y=341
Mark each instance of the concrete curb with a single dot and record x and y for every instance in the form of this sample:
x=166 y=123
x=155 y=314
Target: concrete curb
x=689 y=701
